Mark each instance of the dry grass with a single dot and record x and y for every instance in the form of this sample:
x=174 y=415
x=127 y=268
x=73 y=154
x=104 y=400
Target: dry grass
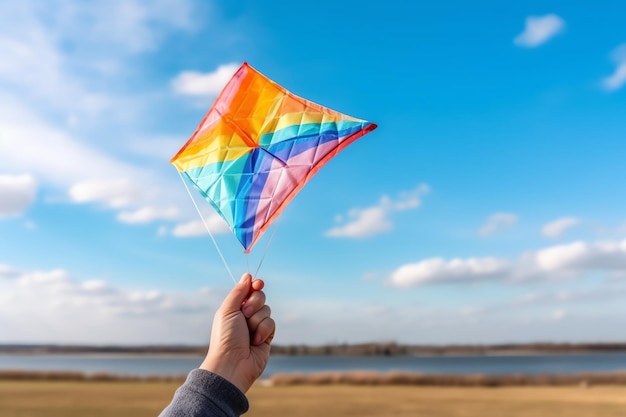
x=73 y=399
x=343 y=400
x=137 y=399
x=402 y=378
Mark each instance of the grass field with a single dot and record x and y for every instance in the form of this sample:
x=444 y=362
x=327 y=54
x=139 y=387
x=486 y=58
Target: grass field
x=138 y=399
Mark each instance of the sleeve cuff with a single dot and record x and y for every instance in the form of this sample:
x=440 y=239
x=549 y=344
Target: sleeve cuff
x=218 y=390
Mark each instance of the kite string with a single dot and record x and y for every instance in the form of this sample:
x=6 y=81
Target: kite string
x=267 y=247
x=207 y=228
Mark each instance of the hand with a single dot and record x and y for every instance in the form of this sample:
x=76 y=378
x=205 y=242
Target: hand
x=241 y=335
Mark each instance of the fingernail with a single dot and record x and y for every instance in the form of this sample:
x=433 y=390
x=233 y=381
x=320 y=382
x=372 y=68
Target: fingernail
x=243 y=278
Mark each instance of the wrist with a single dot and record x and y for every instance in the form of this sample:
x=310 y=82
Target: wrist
x=226 y=371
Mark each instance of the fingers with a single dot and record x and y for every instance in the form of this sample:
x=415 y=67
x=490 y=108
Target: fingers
x=263 y=328
x=244 y=290
x=247 y=296
x=253 y=303
x=258 y=317
x=258 y=284
x=238 y=294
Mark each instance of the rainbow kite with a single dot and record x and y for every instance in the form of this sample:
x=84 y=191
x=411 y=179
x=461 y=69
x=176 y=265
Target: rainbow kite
x=257 y=147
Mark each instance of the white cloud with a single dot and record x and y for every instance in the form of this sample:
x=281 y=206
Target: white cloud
x=44 y=306
x=558 y=227
x=7 y=272
x=203 y=84
x=160 y=148
x=498 y=222
x=129 y=26
x=617 y=80
x=88 y=49
x=456 y=270
x=558 y=315
x=582 y=256
x=83 y=45
x=66 y=122
x=148 y=215
x=24 y=43
x=375 y=220
x=133 y=25
x=115 y=193
x=601 y=294
x=50 y=153
x=436 y=323
x=95 y=286
x=364 y=223
x=62 y=158
x=555 y=262
x=53 y=305
x=539 y=30
x=216 y=224
x=56 y=278
x=472 y=311
x=17 y=194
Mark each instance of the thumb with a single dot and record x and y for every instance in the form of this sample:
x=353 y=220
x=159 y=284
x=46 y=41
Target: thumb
x=238 y=294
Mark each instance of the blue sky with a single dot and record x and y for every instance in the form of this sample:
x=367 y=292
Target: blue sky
x=487 y=207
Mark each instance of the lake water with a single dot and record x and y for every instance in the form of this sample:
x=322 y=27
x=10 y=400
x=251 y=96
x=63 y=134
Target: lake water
x=178 y=365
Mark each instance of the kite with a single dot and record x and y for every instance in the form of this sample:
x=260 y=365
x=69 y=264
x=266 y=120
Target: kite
x=257 y=146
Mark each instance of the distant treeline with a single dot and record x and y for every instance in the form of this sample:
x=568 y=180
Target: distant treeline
x=364 y=349
x=394 y=349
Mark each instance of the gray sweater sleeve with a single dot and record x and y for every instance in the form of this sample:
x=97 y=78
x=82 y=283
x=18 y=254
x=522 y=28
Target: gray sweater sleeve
x=205 y=394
